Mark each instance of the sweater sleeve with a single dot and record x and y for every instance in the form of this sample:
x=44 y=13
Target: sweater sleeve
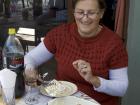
x=37 y=56
x=117 y=83
x=118 y=56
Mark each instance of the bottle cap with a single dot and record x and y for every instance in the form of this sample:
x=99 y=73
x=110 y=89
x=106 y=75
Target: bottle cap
x=11 y=31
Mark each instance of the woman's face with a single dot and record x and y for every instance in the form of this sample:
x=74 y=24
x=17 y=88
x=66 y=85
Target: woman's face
x=87 y=16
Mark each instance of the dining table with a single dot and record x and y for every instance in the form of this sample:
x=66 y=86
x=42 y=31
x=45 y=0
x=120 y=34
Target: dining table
x=44 y=99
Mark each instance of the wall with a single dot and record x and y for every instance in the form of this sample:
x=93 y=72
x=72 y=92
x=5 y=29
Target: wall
x=133 y=44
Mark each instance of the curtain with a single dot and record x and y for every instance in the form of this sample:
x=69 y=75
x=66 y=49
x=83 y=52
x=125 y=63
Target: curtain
x=121 y=18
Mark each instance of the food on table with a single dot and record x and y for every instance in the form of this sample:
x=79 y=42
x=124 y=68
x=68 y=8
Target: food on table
x=55 y=88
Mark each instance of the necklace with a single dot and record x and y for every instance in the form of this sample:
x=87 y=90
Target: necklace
x=93 y=34
x=98 y=30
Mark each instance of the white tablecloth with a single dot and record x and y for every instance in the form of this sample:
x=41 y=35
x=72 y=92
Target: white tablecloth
x=43 y=100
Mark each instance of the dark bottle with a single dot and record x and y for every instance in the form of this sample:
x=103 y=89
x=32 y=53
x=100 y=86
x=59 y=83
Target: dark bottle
x=13 y=59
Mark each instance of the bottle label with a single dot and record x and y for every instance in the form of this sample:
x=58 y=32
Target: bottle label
x=14 y=62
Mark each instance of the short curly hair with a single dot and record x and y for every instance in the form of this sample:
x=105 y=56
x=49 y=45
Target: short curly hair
x=102 y=4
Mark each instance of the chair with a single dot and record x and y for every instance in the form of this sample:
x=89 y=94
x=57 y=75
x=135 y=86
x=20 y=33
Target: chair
x=27 y=37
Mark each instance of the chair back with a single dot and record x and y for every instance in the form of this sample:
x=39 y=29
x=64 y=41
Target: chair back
x=58 y=4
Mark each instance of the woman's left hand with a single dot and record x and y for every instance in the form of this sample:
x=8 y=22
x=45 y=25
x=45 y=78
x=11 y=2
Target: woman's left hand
x=84 y=69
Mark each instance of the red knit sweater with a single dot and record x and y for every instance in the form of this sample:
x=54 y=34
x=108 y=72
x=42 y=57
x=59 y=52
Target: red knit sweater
x=104 y=52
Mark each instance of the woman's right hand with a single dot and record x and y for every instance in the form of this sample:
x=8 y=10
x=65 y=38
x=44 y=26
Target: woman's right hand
x=30 y=74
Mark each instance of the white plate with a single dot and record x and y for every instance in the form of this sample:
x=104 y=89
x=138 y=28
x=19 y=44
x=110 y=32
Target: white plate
x=70 y=88
x=70 y=100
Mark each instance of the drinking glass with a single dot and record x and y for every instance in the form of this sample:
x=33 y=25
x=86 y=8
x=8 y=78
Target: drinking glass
x=32 y=92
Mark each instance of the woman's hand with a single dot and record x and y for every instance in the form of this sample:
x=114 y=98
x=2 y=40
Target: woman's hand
x=85 y=71
x=30 y=74
x=83 y=68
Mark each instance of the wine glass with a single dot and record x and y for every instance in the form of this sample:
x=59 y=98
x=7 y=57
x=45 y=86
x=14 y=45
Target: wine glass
x=32 y=93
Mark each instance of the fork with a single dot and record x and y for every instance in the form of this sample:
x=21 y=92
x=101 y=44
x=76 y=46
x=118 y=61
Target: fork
x=41 y=78
x=44 y=75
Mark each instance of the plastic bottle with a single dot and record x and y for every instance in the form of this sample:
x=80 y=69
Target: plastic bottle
x=13 y=59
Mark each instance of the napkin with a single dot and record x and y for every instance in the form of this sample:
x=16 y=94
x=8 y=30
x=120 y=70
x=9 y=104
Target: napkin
x=7 y=80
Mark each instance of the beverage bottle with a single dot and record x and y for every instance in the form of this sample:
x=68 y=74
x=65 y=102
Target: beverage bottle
x=13 y=59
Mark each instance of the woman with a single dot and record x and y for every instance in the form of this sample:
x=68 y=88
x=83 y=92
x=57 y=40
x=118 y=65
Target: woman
x=87 y=53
